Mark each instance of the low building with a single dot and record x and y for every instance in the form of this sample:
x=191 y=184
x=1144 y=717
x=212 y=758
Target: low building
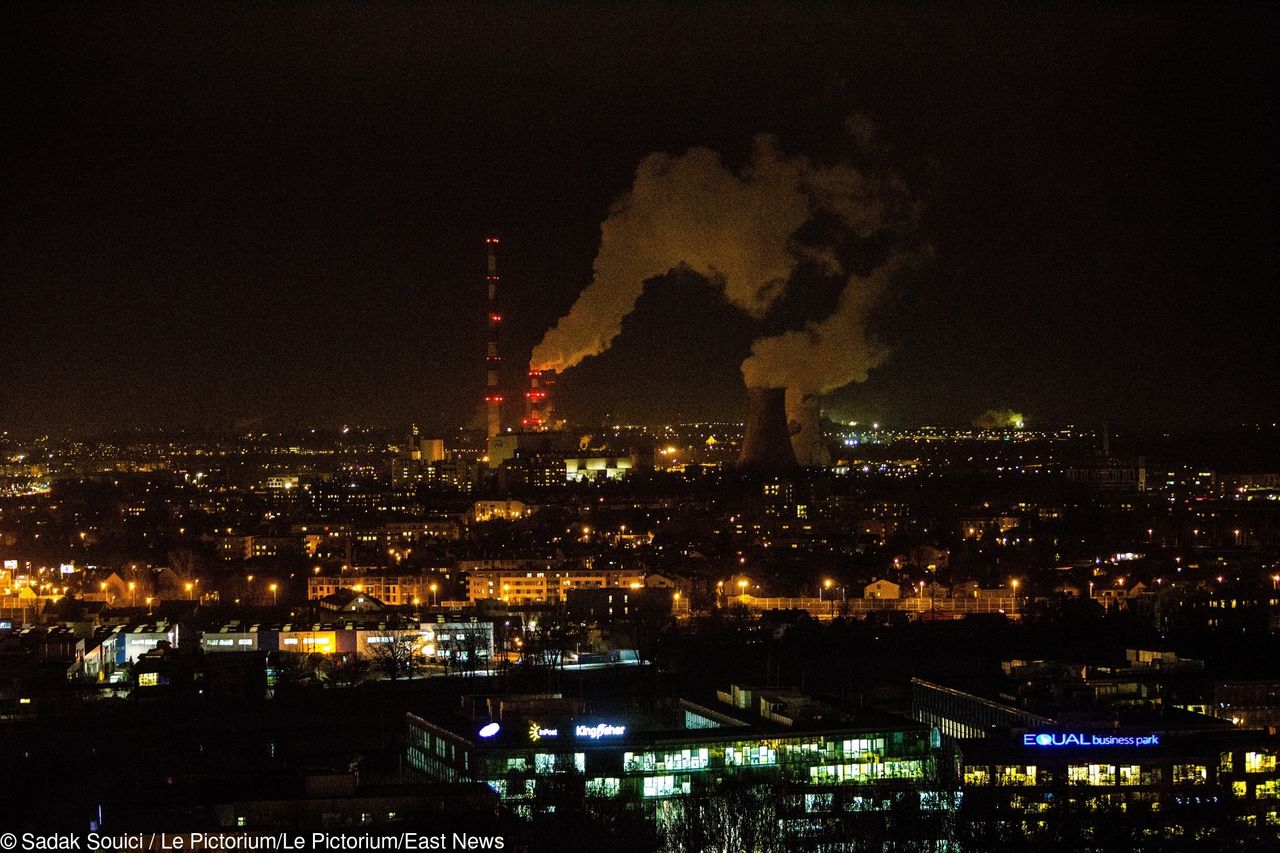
x=882 y=589
x=547 y=586
x=392 y=590
x=548 y=752
x=500 y=510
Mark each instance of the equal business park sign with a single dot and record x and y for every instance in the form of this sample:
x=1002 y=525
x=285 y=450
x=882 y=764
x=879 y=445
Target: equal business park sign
x=1087 y=739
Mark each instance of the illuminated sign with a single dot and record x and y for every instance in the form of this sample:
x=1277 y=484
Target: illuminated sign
x=489 y=730
x=67 y=569
x=11 y=565
x=1086 y=739
x=599 y=730
x=537 y=732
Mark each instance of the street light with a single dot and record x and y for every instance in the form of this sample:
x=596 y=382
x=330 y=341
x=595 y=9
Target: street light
x=275 y=593
x=826 y=584
x=132 y=597
x=434 y=586
x=190 y=590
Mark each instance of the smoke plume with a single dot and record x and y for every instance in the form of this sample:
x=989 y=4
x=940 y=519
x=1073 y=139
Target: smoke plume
x=736 y=230
x=999 y=419
x=830 y=353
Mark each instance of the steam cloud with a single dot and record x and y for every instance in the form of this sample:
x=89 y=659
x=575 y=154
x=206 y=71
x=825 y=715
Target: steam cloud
x=826 y=354
x=737 y=231
x=999 y=419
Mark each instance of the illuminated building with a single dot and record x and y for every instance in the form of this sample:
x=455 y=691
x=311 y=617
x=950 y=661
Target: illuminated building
x=544 y=752
x=544 y=586
x=500 y=510
x=1104 y=758
x=394 y=590
x=123 y=645
x=590 y=468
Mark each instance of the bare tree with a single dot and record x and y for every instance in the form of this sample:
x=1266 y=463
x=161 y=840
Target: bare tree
x=344 y=670
x=735 y=815
x=395 y=653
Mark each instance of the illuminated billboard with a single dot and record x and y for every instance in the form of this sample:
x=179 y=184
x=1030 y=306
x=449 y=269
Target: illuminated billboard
x=1086 y=739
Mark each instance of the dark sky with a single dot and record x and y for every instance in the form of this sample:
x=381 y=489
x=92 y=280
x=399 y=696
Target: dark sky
x=220 y=215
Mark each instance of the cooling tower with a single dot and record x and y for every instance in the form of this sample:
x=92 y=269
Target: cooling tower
x=766 y=444
x=804 y=423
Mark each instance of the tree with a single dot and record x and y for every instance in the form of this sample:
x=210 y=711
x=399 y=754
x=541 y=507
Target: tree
x=395 y=653
x=734 y=815
x=344 y=670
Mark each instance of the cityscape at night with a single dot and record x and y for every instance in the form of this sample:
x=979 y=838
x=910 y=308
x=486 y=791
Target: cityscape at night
x=640 y=427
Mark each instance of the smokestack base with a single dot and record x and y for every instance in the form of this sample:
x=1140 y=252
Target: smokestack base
x=766 y=442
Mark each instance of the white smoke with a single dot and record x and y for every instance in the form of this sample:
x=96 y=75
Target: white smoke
x=737 y=231
x=831 y=353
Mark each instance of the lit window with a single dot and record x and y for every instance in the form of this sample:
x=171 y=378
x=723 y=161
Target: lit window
x=1015 y=774
x=1190 y=774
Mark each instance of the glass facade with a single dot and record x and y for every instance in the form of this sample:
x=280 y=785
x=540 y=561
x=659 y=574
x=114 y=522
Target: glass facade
x=673 y=764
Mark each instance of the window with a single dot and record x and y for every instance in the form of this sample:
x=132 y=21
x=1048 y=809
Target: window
x=1015 y=774
x=751 y=756
x=659 y=786
x=974 y=775
x=685 y=759
x=1239 y=789
x=1259 y=762
x=1224 y=762
x=818 y=802
x=1130 y=774
x=1190 y=774
x=1268 y=790
x=607 y=786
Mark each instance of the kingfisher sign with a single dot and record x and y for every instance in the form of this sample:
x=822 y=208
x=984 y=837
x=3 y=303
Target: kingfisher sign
x=1052 y=739
x=599 y=730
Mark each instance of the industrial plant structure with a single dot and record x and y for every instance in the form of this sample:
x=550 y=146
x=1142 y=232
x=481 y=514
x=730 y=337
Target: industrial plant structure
x=493 y=361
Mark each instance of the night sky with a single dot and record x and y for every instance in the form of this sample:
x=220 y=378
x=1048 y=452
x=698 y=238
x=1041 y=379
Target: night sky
x=276 y=215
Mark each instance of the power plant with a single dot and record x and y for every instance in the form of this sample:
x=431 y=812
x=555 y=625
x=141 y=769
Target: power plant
x=766 y=442
x=783 y=429
x=804 y=423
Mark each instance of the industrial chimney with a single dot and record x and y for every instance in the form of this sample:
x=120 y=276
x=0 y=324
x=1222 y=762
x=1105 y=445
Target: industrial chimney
x=537 y=403
x=492 y=360
x=766 y=444
x=804 y=423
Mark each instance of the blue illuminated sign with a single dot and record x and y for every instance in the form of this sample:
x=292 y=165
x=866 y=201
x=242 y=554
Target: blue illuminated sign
x=1055 y=739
